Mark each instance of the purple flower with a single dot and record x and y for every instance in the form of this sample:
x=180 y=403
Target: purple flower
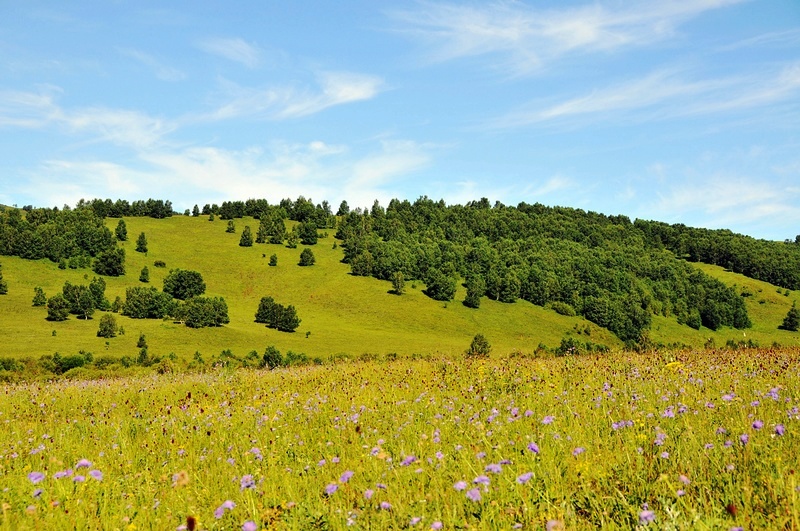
x=36 y=477
x=321 y=462
x=345 y=477
x=247 y=482
x=436 y=525
x=548 y=419
x=79 y=479
x=330 y=488
x=219 y=512
x=256 y=452
x=758 y=424
x=664 y=455
x=533 y=447
x=37 y=493
x=439 y=455
x=578 y=451
x=380 y=486
x=386 y=506
x=62 y=473
x=744 y=438
x=474 y=495
x=680 y=492
x=493 y=468
x=83 y=463
x=460 y=485
x=249 y=526
x=646 y=516
x=96 y=474
x=481 y=480
x=728 y=397
x=708 y=446
x=408 y=460
x=335 y=460
x=524 y=478
x=683 y=479
x=779 y=429
x=415 y=520
x=368 y=494
x=480 y=455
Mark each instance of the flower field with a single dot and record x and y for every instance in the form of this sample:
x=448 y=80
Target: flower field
x=701 y=440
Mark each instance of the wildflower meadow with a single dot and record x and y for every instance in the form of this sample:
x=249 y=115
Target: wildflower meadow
x=700 y=440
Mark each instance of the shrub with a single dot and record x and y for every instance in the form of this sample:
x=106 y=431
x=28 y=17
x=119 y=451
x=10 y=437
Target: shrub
x=562 y=308
x=479 y=348
x=307 y=257
x=108 y=326
x=272 y=358
x=184 y=284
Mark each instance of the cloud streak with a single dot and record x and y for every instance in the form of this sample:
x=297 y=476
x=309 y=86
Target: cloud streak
x=525 y=40
x=236 y=50
x=162 y=71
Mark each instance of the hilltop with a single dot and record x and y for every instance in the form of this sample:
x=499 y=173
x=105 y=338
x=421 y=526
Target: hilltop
x=348 y=308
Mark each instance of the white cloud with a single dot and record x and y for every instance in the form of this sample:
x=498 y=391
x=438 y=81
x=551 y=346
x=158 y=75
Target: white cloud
x=665 y=94
x=526 y=39
x=235 y=50
x=162 y=71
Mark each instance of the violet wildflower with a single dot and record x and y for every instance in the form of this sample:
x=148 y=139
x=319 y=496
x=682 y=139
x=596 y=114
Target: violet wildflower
x=460 y=485
x=533 y=447
x=680 y=492
x=36 y=477
x=334 y=460
x=480 y=455
x=664 y=455
x=79 y=479
x=646 y=516
x=779 y=429
x=368 y=494
x=321 y=462
x=37 y=493
x=96 y=474
x=758 y=424
x=83 y=463
x=62 y=473
x=330 y=488
x=386 y=506
x=436 y=525
x=408 y=460
x=249 y=526
x=247 y=482
x=227 y=505
x=744 y=438
x=345 y=477
x=548 y=419
x=474 y=495
x=524 y=478
x=493 y=468
x=578 y=451
x=415 y=520
x=481 y=480
x=683 y=479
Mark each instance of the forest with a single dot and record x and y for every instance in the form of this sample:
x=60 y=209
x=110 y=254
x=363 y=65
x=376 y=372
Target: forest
x=614 y=272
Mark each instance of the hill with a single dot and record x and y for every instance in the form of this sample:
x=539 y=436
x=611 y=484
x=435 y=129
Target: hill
x=342 y=312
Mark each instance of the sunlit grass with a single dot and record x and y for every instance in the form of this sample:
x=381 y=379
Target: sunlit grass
x=588 y=441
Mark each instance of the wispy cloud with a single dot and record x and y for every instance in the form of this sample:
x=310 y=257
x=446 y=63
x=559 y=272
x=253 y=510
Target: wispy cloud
x=775 y=39
x=162 y=71
x=333 y=88
x=664 y=94
x=33 y=110
x=525 y=39
x=235 y=50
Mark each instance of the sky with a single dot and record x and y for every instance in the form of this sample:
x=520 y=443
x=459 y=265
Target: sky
x=684 y=111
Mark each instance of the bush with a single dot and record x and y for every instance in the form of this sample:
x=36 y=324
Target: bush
x=479 y=348
x=273 y=260
x=108 y=326
x=159 y=263
x=562 y=308
x=272 y=358
x=184 y=284
x=307 y=257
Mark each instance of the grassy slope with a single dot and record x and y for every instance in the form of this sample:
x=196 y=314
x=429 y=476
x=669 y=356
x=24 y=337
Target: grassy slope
x=346 y=314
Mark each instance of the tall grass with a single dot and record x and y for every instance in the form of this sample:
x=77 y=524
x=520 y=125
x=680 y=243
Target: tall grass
x=693 y=440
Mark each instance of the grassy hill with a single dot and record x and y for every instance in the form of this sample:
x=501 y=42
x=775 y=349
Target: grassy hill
x=340 y=313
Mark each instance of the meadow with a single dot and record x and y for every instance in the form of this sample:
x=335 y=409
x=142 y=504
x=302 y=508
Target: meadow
x=686 y=440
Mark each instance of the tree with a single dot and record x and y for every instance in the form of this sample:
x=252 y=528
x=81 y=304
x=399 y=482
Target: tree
x=273 y=260
x=199 y=312
x=142 y=342
x=792 y=320
x=272 y=358
x=307 y=232
x=307 y=257
x=141 y=243
x=479 y=348
x=440 y=287
x=144 y=276
x=247 y=237
x=57 y=308
x=274 y=315
x=231 y=228
x=121 y=231
x=195 y=211
x=266 y=310
x=108 y=326
x=475 y=290
x=39 y=298
x=291 y=241
x=344 y=209
x=97 y=287
x=110 y=263
x=184 y=284
x=398 y=283
x=147 y=303
x=288 y=320
x=3 y=283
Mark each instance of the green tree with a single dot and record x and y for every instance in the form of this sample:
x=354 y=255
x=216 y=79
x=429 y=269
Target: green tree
x=344 y=209
x=272 y=358
x=141 y=243
x=476 y=287
x=39 y=298
x=479 y=348
x=57 y=308
x=3 y=283
x=440 y=287
x=110 y=263
x=144 y=276
x=247 y=237
x=116 y=306
x=142 y=342
x=199 y=312
x=273 y=260
x=266 y=312
x=121 y=231
x=184 y=284
x=307 y=257
x=97 y=287
x=292 y=240
x=792 y=320
x=288 y=321
x=307 y=232
x=195 y=211
x=398 y=283
x=108 y=326
x=147 y=303
x=231 y=228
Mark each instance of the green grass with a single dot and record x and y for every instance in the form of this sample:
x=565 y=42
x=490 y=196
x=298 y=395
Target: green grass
x=343 y=313
x=174 y=446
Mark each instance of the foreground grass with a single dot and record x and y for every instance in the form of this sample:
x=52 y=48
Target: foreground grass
x=701 y=440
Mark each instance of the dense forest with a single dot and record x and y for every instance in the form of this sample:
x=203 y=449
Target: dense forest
x=614 y=272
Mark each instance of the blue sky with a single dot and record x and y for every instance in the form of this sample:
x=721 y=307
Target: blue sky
x=684 y=111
